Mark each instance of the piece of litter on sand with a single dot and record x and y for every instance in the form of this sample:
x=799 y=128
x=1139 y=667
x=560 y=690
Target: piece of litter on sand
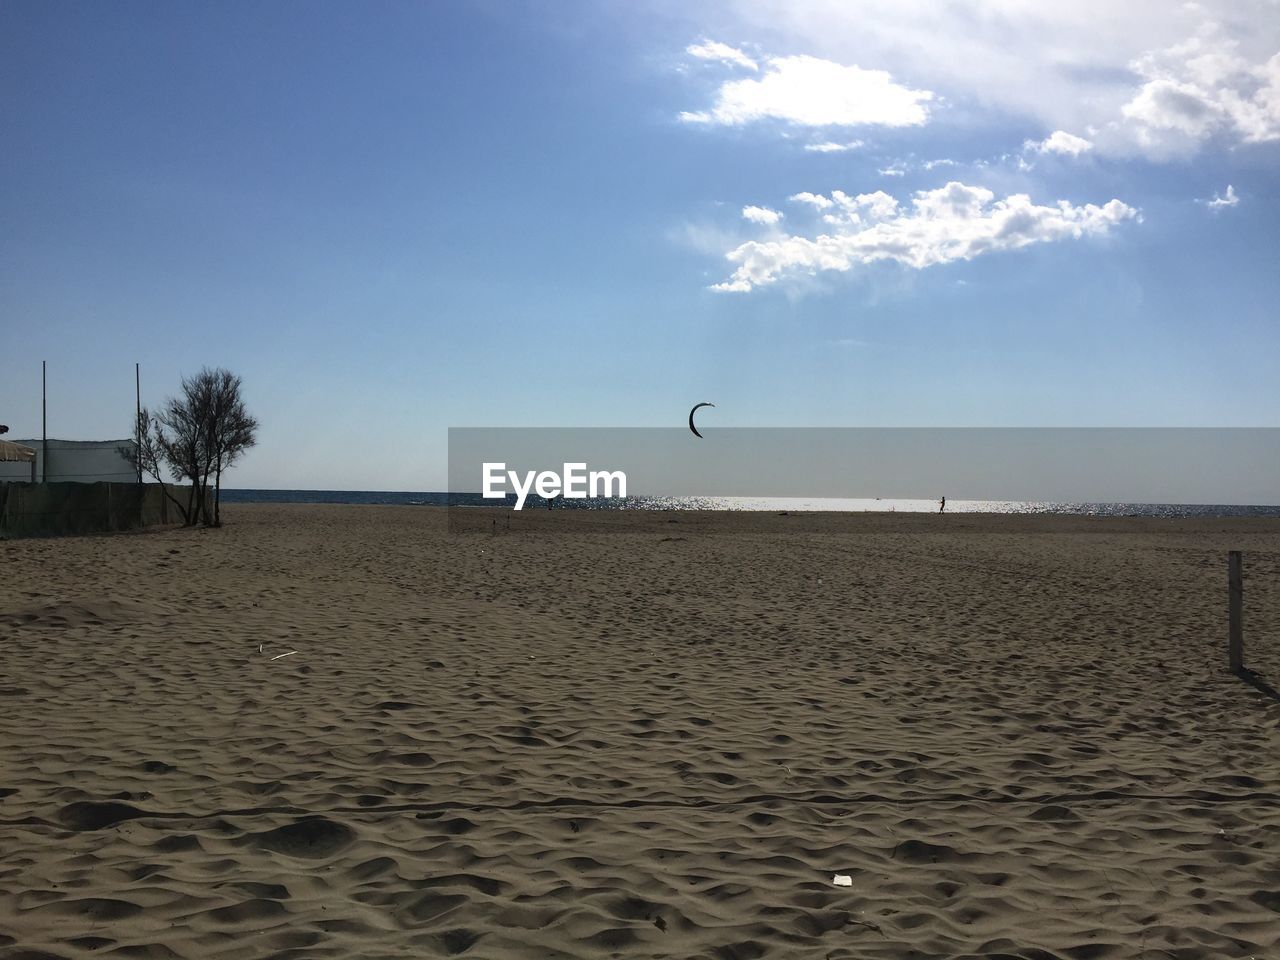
x=842 y=880
x=280 y=655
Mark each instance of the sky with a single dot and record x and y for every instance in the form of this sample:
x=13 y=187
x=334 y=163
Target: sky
x=395 y=218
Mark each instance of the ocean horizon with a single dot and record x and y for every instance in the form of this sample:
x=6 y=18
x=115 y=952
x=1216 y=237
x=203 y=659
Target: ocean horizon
x=758 y=504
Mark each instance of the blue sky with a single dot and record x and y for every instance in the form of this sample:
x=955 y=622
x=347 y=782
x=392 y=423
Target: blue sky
x=395 y=218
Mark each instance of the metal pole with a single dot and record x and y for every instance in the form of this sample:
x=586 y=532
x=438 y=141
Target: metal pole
x=1235 y=611
x=44 y=420
x=137 y=417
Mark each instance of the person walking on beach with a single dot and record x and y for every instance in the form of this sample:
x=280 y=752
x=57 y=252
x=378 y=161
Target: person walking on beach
x=943 y=508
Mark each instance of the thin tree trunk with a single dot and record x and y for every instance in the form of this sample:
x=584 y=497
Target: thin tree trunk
x=217 y=494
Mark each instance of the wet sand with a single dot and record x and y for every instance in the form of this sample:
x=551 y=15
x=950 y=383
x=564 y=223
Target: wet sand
x=638 y=735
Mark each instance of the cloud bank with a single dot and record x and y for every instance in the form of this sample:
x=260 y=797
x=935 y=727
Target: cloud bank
x=1146 y=76
x=954 y=222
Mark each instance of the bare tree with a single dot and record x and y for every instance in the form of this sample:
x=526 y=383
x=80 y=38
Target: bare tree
x=197 y=435
x=181 y=428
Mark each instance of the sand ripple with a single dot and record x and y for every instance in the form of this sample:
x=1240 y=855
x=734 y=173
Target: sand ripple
x=1014 y=734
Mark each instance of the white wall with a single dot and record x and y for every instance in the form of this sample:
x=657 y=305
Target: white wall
x=79 y=461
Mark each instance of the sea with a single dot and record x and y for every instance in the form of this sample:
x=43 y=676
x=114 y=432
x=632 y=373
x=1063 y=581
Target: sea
x=776 y=504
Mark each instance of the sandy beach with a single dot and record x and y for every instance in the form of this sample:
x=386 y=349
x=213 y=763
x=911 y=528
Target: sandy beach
x=639 y=735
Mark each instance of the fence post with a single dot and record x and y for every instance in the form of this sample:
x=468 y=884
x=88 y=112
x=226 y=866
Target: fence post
x=1235 y=612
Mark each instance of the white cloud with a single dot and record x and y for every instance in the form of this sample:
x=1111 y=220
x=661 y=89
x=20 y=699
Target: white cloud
x=893 y=170
x=811 y=92
x=722 y=52
x=1060 y=141
x=859 y=209
x=1201 y=88
x=1220 y=200
x=813 y=199
x=761 y=215
x=955 y=222
x=1065 y=66
x=828 y=146
x=1166 y=106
